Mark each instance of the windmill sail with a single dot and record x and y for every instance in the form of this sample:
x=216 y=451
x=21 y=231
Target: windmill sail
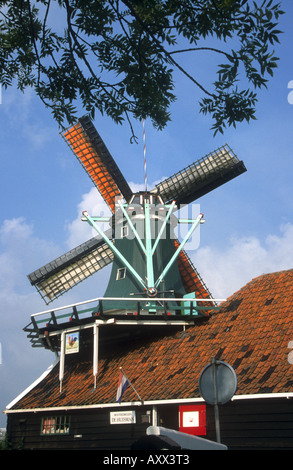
x=201 y=177
x=65 y=272
x=92 y=153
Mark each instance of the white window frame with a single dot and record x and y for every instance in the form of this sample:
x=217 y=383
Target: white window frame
x=124 y=231
x=121 y=274
x=52 y=425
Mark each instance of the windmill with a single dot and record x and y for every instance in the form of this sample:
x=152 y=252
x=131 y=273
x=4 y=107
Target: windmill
x=149 y=264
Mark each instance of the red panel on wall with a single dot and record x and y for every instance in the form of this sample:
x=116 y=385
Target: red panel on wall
x=192 y=419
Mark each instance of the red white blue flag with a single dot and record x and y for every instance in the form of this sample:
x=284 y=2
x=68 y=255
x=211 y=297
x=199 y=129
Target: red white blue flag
x=122 y=386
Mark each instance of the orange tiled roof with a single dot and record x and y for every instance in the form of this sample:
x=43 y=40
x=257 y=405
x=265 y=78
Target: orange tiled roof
x=251 y=332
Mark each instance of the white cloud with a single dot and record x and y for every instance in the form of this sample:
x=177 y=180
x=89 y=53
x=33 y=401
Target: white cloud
x=78 y=231
x=227 y=270
x=20 y=253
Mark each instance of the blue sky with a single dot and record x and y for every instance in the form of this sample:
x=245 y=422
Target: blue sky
x=249 y=221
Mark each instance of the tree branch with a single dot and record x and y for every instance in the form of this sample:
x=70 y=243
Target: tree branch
x=72 y=35
x=191 y=49
x=166 y=53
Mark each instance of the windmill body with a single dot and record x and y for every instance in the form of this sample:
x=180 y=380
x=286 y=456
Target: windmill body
x=144 y=250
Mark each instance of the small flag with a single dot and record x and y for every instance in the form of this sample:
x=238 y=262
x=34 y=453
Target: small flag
x=122 y=386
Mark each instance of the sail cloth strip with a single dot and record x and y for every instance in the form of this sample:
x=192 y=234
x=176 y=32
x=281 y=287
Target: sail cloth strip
x=92 y=153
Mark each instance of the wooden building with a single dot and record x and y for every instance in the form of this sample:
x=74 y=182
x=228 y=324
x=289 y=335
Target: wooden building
x=252 y=331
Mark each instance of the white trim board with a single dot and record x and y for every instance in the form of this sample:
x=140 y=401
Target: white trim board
x=136 y=403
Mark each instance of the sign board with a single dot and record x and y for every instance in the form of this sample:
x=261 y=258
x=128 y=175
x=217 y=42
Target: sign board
x=122 y=417
x=72 y=342
x=192 y=419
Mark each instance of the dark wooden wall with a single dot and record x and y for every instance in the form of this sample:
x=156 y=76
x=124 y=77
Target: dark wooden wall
x=256 y=424
x=244 y=424
x=89 y=429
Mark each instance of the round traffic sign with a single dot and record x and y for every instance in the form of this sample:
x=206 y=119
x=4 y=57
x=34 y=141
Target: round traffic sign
x=217 y=383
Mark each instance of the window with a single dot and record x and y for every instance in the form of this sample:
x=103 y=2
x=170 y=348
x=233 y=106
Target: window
x=121 y=274
x=55 y=425
x=124 y=231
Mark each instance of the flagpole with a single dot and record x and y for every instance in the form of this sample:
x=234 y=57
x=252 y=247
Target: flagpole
x=131 y=384
x=144 y=156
